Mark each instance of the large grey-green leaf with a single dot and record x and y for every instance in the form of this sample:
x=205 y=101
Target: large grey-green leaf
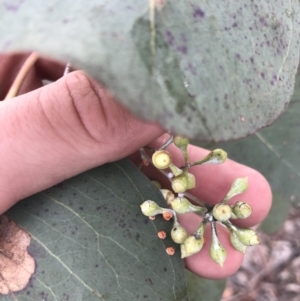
x=277 y=216
x=274 y=152
x=201 y=289
x=91 y=242
x=217 y=70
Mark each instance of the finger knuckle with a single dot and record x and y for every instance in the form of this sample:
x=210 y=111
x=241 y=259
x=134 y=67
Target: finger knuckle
x=87 y=104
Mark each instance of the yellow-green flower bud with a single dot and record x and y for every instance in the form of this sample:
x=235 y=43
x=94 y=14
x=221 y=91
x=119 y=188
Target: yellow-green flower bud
x=191 y=180
x=242 y=209
x=222 y=212
x=178 y=233
x=181 y=141
x=156 y=183
x=179 y=184
x=168 y=195
x=182 y=205
x=194 y=243
x=150 y=208
x=236 y=243
x=216 y=156
x=247 y=236
x=161 y=159
x=183 y=182
x=238 y=186
x=217 y=251
x=191 y=246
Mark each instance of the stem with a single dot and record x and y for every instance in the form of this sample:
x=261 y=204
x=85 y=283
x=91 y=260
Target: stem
x=213 y=230
x=185 y=155
x=230 y=226
x=194 y=199
x=150 y=149
x=14 y=89
x=67 y=69
x=176 y=171
x=144 y=157
x=167 y=143
x=200 y=231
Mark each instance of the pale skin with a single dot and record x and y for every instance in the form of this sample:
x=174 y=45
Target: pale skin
x=51 y=133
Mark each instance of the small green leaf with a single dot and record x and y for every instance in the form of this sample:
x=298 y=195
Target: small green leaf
x=91 y=242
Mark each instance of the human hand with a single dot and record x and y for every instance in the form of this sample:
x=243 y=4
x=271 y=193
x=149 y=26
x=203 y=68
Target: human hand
x=57 y=131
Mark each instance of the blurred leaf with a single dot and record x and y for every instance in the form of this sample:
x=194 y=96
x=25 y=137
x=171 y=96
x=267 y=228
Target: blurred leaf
x=201 y=289
x=275 y=152
x=91 y=241
x=277 y=216
x=216 y=70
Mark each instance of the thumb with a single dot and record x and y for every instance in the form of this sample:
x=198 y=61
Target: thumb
x=60 y=130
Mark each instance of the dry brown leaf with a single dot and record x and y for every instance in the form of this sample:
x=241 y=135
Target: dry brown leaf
x=16 y=265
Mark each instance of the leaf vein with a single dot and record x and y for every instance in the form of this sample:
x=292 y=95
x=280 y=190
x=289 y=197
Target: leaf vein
x=67 y=268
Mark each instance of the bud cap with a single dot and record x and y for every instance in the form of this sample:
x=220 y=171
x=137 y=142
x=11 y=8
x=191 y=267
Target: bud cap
x=161 y=159
x=222 y=212
x=242 y=209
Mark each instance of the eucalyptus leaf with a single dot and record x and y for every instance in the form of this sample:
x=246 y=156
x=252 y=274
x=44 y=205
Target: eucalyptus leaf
x=277 y=216
x=211 y=70
x=201 y=289
x=274 y=152
x=91 y=241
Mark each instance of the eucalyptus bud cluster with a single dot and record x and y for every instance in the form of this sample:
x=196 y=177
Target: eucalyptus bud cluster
x=179 y=201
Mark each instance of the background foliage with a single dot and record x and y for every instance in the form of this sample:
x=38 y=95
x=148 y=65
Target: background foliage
x=201 y=289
